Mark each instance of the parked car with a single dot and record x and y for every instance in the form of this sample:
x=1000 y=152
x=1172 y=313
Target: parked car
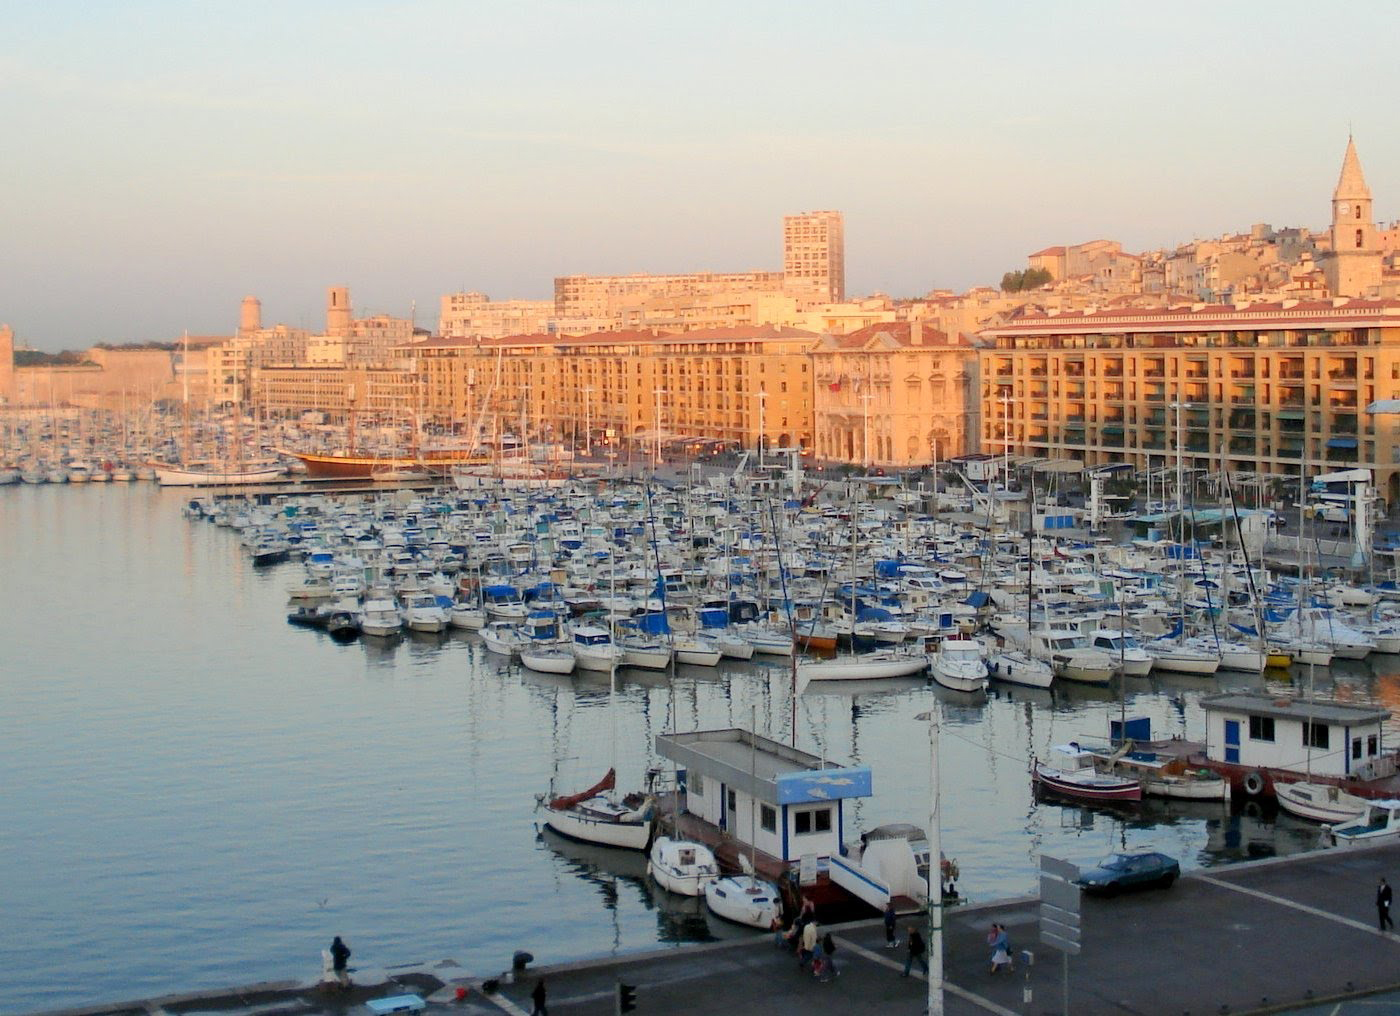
x=1118 y=872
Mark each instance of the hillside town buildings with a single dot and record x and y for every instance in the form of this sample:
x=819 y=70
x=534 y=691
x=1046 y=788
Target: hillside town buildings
x=1254 y=351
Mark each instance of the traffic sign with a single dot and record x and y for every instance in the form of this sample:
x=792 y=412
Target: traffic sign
x=1064 y=895
x=1059 y=869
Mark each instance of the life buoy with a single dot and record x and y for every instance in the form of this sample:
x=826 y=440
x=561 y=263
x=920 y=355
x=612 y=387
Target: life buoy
x=1254 y=784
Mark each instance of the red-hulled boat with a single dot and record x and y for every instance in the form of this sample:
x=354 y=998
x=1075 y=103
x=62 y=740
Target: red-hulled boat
x=1073 y=775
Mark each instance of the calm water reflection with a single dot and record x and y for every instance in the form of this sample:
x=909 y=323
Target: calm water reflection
x=197 y=795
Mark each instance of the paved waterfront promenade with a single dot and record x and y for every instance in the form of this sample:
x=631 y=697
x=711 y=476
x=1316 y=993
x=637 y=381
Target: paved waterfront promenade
x=1295 y=933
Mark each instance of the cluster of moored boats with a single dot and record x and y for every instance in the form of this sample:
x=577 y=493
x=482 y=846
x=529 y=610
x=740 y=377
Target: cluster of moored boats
x=592 y=576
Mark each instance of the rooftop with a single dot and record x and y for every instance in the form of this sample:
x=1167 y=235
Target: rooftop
x=1338 y=713
x=769 y=770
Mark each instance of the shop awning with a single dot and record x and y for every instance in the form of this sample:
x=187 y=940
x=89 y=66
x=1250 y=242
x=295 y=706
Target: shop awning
x=1341 y=442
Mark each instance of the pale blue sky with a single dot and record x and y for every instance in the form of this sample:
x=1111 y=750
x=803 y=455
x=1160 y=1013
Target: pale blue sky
x=160 y=160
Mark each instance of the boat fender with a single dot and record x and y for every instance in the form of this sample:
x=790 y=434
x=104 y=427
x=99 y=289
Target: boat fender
x=1254 y=784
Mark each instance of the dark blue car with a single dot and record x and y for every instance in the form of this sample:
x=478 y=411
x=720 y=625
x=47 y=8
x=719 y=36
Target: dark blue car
x=1118 y=872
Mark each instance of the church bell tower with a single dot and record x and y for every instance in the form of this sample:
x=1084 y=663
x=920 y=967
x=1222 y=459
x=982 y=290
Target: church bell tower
x=1353 y=268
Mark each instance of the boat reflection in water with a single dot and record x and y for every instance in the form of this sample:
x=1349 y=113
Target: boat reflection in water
x=1245 y=831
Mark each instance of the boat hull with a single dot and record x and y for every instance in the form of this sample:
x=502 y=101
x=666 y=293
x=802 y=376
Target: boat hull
x=625 y=835
x=175 y=476
x=1051 y=780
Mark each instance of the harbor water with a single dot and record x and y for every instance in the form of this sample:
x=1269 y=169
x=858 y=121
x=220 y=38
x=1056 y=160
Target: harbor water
x=196 y=794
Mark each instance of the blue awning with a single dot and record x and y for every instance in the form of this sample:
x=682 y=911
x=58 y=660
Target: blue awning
x=1341 y=442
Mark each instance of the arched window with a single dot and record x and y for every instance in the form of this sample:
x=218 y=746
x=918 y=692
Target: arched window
x=1358 y=209
x=1358 y=239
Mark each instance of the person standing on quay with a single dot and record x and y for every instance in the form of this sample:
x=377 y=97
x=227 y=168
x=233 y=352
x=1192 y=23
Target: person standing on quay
x=890 y=940
x=340 y=958
x=1383 y=897
x=918 y=952
x=538 y=996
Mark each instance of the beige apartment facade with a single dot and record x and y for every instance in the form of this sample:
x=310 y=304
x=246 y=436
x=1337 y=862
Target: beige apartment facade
x=894 y=395
x=465 y=315
x=735 y=385
x=1278 y=388
x=392 y=393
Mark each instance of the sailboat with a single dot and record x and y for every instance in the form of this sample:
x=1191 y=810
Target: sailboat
x=871 y=666
x=681 y=866
x=191 y=472
x=595 y=815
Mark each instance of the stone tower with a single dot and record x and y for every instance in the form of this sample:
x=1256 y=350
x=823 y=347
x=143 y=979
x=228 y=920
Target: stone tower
x=7 y=364
x=250 y=315
x=1353 y=267
x=338 y=311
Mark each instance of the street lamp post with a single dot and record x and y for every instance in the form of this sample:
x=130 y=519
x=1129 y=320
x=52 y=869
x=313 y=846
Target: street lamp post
x=762 y=397
x=935 y=873
x=656 y=454
x=587 y=422
x=865 y=441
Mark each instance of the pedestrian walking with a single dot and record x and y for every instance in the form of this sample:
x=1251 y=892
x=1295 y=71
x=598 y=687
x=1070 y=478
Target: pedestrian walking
x=340 y=958
x=1383 y=896
x=890 y=941
x=538 y=996
x=918 y=952
x=808 y=948
x=1001 y=948
x=829 y=957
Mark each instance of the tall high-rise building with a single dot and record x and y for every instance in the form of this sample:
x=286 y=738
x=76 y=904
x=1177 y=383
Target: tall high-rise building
x=814 y=255
x=1353 y=267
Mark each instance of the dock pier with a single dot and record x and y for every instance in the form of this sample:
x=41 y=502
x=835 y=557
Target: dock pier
x=1294 y=934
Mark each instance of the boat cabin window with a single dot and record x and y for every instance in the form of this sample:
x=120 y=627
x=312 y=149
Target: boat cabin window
x=1320 y=735
x=695 y=783
x=1371 y=745
x=768 y=818
x=1356 y=747
x=813 y=820
x=1261 y=728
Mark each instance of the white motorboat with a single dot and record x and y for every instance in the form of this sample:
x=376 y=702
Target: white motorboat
x=1378 y=824
x=958 y=664
x=1123 y=649
x=593 y=817
x=310 y=588
x=504 y=638
x=683 y=867
x=1320 y=802
x=548 y=659
x=1016 y=667
x=422 y=612
x=889 y=861
x=744 y=899
x=1071 y=658
x=468 y=616
x=593 y=649
x=381 y=618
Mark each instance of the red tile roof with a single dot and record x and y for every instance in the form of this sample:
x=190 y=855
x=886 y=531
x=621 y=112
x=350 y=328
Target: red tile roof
x=1048 y=252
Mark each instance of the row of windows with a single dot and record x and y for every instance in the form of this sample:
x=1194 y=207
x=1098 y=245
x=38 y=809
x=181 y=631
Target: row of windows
x=805 y=822
x=1261 y=728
